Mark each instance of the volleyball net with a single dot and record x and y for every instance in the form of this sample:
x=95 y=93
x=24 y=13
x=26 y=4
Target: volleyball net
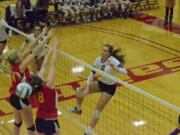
x=131 y=111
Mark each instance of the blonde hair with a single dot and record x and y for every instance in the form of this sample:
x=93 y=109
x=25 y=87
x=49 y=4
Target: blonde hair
x=13 y=55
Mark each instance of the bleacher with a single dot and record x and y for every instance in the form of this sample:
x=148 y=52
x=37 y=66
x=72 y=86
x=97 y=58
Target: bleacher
x=141 y=5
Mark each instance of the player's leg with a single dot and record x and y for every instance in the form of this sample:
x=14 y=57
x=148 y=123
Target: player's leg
x=81 y=92
x=14 y=101
x=103 y=101
x=17 y=121
x=56 y=128
x=27 y=115
x=177 y=130
x=40 y=126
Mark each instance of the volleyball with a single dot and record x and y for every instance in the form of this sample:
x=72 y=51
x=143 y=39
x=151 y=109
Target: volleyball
x=23 y=90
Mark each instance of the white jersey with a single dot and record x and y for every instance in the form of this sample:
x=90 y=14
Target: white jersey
x=3 y=35
x=109 y=66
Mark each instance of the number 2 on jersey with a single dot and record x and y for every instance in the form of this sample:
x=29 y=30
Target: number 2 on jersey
x=40 y=97
x=103 y=67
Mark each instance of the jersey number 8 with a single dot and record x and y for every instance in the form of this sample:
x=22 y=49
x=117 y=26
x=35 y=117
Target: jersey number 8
x=40 y=97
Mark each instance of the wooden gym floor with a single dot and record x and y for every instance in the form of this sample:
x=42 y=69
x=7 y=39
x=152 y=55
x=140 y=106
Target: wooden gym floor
x=145 y=45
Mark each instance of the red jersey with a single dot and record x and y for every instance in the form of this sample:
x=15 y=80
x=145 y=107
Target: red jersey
x=17 y=76
x=46 y=102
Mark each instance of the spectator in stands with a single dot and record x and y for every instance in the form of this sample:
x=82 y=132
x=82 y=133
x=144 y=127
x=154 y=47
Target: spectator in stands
x=56 y=4
x=169 y=7
x=15 y=15
x=104 y=10
x=41 y=9
x=124 y=6
x=18 y=14
x=113 y=7
x=29 y=12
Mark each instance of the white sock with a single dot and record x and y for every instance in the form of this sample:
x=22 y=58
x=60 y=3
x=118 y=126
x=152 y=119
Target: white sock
x=89 y=130
x=79 y=107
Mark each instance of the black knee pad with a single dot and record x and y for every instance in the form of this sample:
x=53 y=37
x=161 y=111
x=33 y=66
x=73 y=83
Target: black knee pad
x=18 y=125
x=179 y=119
x=32 y=128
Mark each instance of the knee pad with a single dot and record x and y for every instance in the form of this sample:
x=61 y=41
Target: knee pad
x=96 y=114
x=18 y=125
x=32 y=128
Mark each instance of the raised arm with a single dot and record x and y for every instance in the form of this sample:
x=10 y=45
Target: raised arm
x=92 y=73
x=52 y=73
x=44 y=65
x=30 y=57
x=33 y=44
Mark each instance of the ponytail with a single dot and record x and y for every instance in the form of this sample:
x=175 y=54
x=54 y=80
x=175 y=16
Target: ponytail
x=119 y=57
x=115 y=53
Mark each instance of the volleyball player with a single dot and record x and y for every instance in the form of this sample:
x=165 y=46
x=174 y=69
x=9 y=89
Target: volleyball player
x=19 y=72
x=37 y=62
x=108 y=62
x=47 y=114
x=3 y=37
x=177 y=130
x=32 y=37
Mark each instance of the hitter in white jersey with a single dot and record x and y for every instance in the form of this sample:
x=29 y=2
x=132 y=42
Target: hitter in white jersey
x=109 y=61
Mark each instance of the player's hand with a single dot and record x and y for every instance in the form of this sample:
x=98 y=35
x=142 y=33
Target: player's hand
x=44 y=31
x=55 y=42
x=49 y=35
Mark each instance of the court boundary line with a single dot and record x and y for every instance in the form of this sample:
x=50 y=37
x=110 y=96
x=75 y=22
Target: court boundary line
x=156 y=21
x=118 y=34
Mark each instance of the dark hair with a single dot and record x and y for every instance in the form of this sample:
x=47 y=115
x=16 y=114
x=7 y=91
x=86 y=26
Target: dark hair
x=42 y=4
x=115 y=53
x=38 y=25
x=12 y=57
x=17 y=3
x=26 y=4
x=36 y=83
